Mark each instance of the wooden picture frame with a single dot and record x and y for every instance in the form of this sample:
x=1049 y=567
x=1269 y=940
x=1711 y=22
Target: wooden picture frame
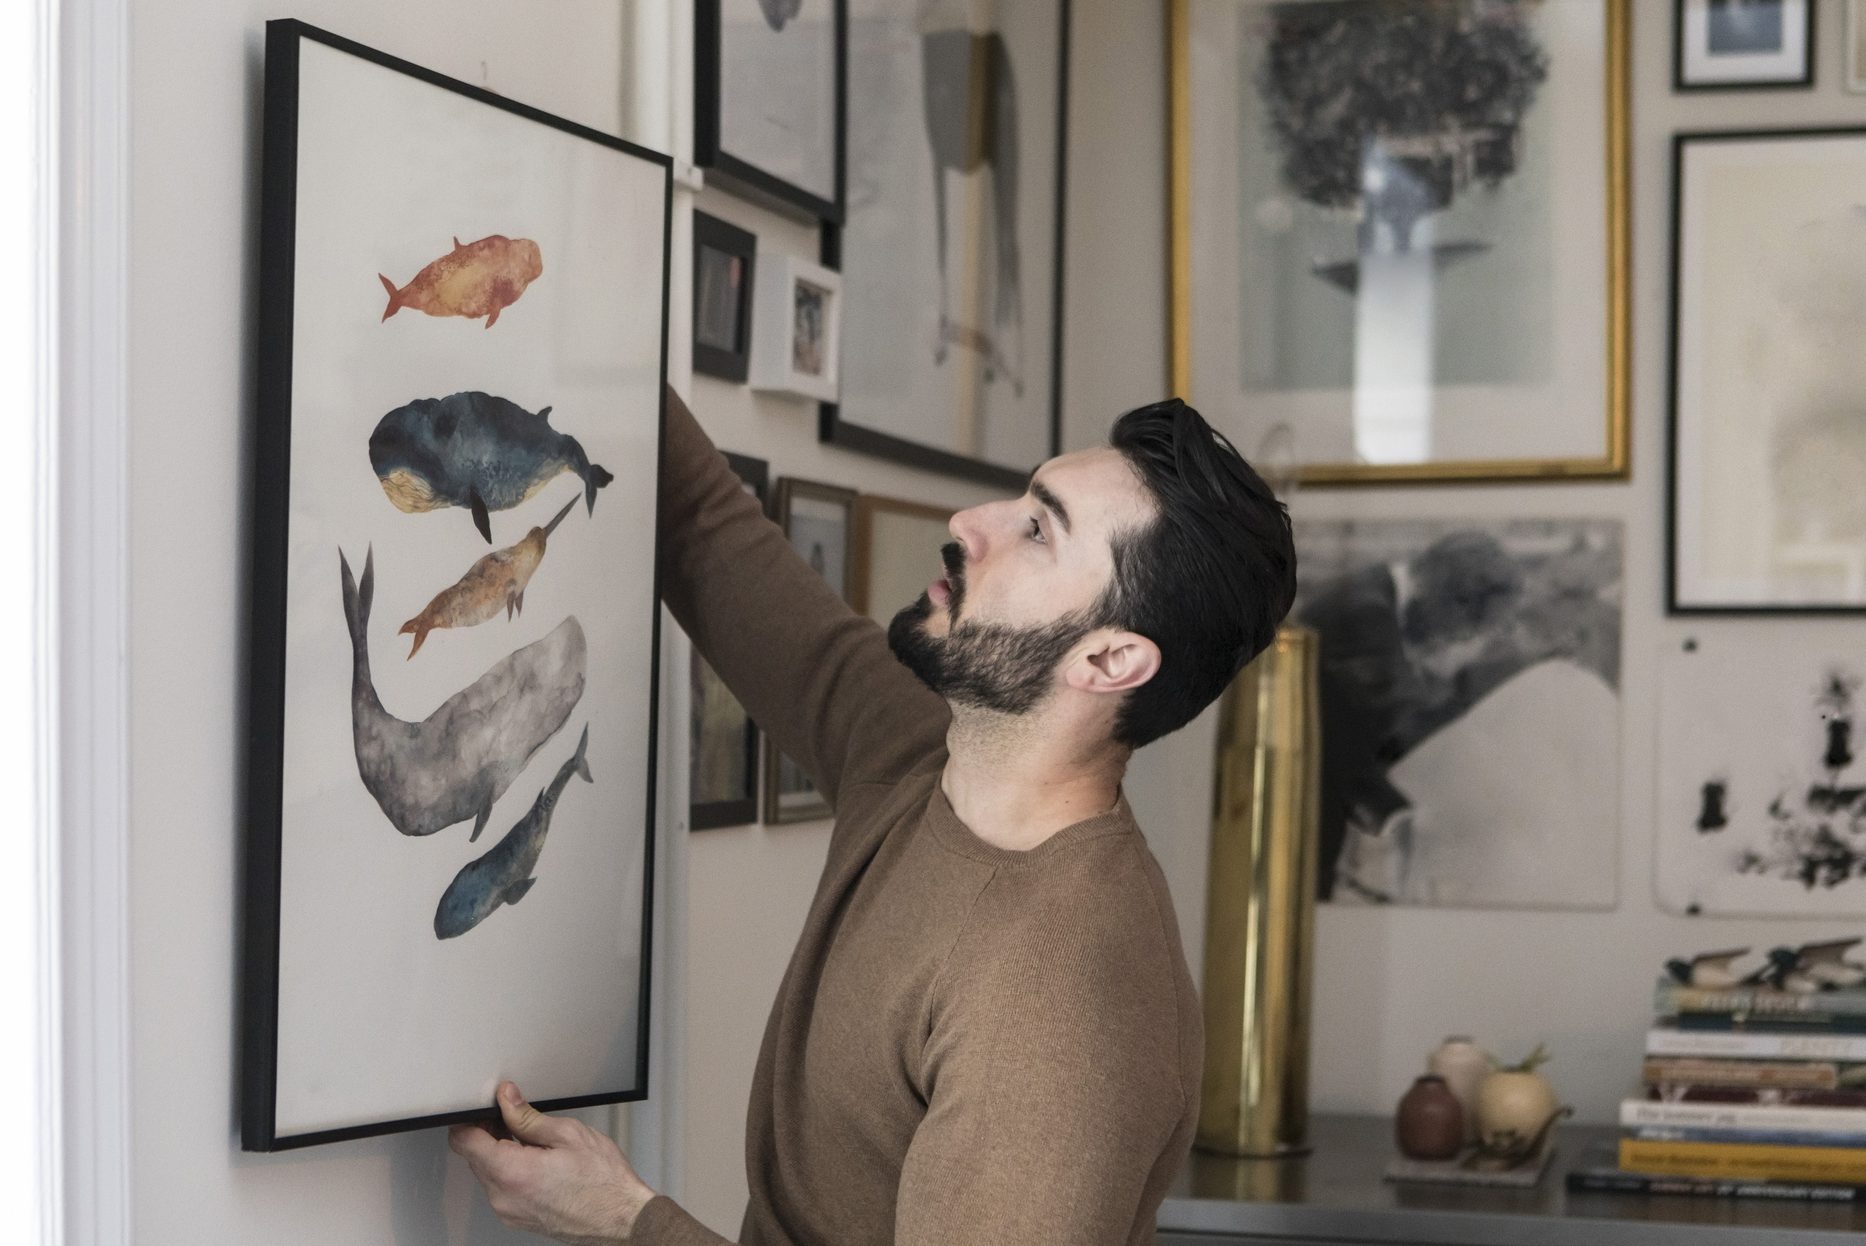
x=819 y=521
x=883 y=525
x=715 y=710
x=725 y=270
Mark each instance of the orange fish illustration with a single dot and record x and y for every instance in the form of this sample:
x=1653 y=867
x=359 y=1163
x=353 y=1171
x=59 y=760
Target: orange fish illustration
x=497 y=580
x=474 y=279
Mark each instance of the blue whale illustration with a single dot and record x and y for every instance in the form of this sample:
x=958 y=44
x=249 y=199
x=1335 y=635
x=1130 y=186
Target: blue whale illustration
x=453 y=764
x=503 y=875
x=474 y=450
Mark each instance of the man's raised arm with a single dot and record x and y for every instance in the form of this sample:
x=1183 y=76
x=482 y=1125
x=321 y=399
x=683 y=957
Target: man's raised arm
x=818 y=677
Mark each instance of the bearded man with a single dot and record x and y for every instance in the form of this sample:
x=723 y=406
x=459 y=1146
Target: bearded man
x=987 y=1032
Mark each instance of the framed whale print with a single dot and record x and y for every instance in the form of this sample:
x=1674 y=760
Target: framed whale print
x=453 y=695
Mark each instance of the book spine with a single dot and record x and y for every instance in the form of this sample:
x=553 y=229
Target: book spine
x=1799 y=1074
x=1672 y=998
x=1749 y=1137
x=1689 y=1092
x=1755 y=1045
x=1597 y=1181
x=1635 y=1113
x=1733 y=1162
x=1798 y=1023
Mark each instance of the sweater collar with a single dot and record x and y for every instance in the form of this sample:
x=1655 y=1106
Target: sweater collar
x=959 y=837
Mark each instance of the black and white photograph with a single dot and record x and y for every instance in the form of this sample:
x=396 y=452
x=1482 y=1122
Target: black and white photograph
x=819 y=521
x=952 y=248
x=1762 y=790
x=723 y=740
x=1769 y=306
x=1728 y=44
x=1398 y=232
x=724 y=269
x=455 y=621
x=768 y=79
x=1470 y=701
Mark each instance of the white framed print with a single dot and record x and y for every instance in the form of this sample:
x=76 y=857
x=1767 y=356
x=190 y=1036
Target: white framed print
x=1722 y=45
x=796 y=327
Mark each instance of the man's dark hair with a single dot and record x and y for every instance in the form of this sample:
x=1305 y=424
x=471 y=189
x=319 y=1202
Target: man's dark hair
x=1208 y=580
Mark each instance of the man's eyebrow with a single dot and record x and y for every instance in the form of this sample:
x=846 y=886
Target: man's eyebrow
x=1050 y=502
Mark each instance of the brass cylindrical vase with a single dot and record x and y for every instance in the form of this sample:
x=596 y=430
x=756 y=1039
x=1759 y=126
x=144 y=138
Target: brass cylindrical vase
x=1260 y=905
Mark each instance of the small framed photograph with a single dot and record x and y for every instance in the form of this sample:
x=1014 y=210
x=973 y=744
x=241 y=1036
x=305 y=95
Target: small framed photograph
x=897 y=553
x=1722 y=45
x=817 y=518
x=724 y=262
x=798 y=328
x=723 y=765
x=1768 y=298
x=1856 y=46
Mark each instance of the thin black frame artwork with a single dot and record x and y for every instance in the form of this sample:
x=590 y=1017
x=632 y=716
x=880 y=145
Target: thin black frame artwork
x=837 y=426
x=1677 y=601
x=709 y=232
x=304 y=155
x=789 y=489
x=740 y=175
x=741 y=810
x=1801 y=82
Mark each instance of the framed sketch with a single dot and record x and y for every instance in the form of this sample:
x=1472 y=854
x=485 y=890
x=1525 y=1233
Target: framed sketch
x=723 y=760
x=724 y=264
x=1721 y=45
x=1768 y=306
x=951 y=254
x=897 y=553
x=454 y=613
x=1399 y=234
x=1760 y=780
x=1470 y=702
x=798 y=329
x=1856 y=46
x=767 y=117
x=817 y=519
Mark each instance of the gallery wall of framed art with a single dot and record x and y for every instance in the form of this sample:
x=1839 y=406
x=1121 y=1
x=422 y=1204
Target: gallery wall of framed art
x=461 y=401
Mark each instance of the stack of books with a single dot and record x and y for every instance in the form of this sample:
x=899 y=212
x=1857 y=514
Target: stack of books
x=1752 y=1091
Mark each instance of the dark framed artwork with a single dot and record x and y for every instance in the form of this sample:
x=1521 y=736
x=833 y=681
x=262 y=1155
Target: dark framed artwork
x=723 y=761
x=817 y=519
x=454 y=631
x=1726 y=45
x=725 y=260
x=951 y=253
x=1399 y=234
x=1470 y=696
x=1766 y=454
x=896 y=553
x=769 y=97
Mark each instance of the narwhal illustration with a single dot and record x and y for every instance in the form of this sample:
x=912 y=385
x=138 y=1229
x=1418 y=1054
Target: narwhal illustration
x=496 y=580
x=474 y=450
x=503 y=875
x=453 y=764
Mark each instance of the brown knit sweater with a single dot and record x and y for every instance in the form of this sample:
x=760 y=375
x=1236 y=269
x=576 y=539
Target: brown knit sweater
x=971 y=1045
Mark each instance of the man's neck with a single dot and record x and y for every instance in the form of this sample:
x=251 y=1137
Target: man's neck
x=1014 y=783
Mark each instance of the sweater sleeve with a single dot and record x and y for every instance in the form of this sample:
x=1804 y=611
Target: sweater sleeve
x=1056 y=1114
x=819 y=678
x=663 y=1222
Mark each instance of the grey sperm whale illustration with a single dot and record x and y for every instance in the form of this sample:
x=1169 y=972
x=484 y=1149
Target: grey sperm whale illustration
x=474 y=450
x=453 y=764
x=503 y=875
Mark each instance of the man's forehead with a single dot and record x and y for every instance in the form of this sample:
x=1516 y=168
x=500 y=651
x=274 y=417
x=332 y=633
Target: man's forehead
x=1098 y=486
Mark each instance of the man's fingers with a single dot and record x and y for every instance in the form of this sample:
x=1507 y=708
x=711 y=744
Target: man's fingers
x=527 y=1123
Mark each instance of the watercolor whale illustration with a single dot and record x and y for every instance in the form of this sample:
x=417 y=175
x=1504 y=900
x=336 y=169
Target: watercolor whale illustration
x=474 y=279
x=503 y=875
x=455 y=763
x=497 y=579
x=474 y=450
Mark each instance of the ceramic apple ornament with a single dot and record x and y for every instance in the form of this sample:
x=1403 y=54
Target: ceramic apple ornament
x=1516 y=1106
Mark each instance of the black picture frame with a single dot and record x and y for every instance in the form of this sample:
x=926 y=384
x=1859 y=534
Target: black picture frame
x=835 y=426
x=1803 y=81
x=740 y=810
x=711 y=233
x=1675 y=605
x=739 y=175
x=268 y=604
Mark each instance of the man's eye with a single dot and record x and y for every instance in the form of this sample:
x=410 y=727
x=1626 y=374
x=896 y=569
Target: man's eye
x=1036 y=529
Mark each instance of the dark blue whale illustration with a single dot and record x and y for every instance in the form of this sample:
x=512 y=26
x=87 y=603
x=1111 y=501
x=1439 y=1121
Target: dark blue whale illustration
x=503 y=875
x=453 y=764
x=474 y=450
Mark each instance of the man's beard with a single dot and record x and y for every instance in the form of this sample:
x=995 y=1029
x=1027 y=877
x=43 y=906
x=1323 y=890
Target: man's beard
x=989 y=666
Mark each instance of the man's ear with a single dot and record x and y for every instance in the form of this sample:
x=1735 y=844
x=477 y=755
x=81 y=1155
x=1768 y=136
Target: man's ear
x=1113 y=661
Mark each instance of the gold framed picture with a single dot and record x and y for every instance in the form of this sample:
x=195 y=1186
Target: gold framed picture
x=1406 y=272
